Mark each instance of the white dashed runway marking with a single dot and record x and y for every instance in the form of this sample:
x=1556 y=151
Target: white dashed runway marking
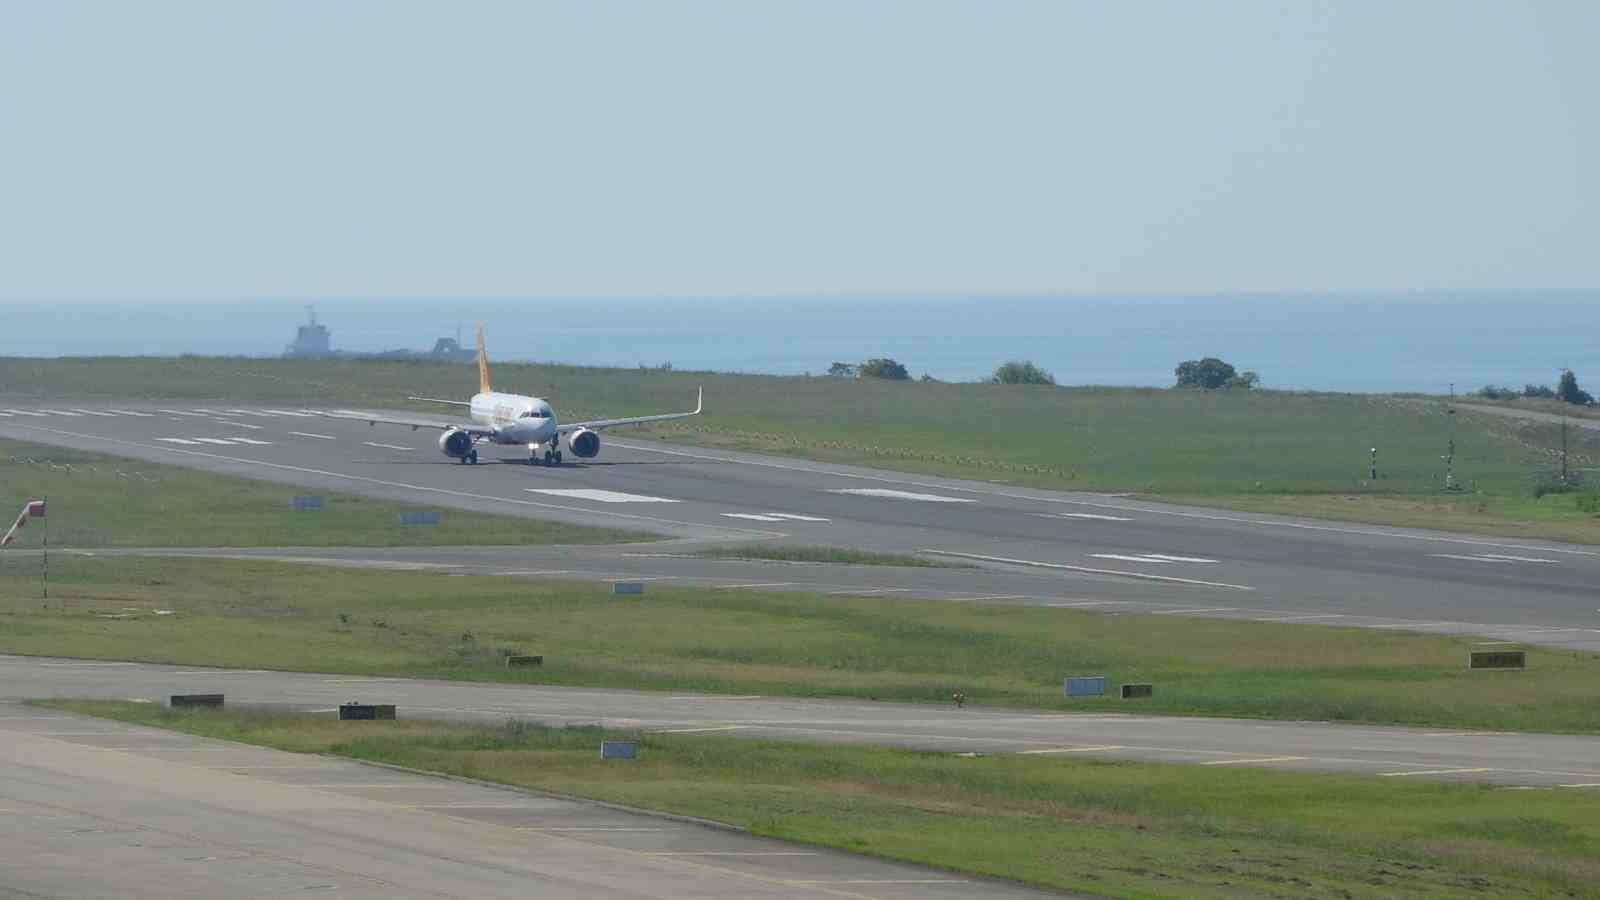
x=775 y=517
x=320 y=437
x=383 y=446
x=1152 y=558
x=598 y=496
x=1094 y=516
x=184 y=441
x=900 y=495
x=238 y=425
x=1492 y=558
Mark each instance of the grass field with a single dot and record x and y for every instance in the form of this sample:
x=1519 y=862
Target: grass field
x=107 y=501
x=280 y=616
x=1296 y=453
x=1113 y=829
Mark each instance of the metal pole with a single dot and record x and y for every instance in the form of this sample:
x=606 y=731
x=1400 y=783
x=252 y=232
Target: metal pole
x=1450 y=459
x=1563 y=450
x=46 y=500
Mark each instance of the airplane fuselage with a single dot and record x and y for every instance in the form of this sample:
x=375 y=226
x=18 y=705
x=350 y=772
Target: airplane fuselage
x=516 y=419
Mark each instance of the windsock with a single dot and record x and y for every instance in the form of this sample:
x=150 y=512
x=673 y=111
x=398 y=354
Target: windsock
x=33 y=509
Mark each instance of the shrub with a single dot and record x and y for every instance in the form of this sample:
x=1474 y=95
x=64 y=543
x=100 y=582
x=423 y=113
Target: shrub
x=1542 y=391
x=1209 y=373
x=1490 y=392
x=883 y=368
x=1021 y=372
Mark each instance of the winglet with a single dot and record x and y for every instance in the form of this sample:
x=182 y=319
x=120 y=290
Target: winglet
x=483 y=364
x=700 y=401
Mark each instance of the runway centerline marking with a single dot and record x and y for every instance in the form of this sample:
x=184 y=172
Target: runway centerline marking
x=900 y=495
x=1153 y=510
x=599 y=496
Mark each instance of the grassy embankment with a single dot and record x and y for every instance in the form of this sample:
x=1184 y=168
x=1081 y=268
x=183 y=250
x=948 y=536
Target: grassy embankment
x=1301 y=454
x=1109 y=828
x=281 y=616
x=97 y=500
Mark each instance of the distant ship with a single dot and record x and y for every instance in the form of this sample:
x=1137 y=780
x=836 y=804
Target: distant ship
x=313 y=341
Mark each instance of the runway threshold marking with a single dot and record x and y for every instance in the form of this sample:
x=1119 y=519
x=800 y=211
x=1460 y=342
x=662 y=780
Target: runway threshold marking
x=599 y=496
x=1089 y=570
x=901 y=495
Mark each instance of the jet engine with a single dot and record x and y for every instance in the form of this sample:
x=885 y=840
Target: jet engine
x=455 y=444
x=585 y=444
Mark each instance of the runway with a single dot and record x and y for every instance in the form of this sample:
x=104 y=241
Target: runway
x=1085 y=547
x=1560 y=762
x=96 y=809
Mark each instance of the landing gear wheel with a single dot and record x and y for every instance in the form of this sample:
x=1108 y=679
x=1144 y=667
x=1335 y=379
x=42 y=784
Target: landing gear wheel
x=472 y=458
x=558 y=457
x=549 y=458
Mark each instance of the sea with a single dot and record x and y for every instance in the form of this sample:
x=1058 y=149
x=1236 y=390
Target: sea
x=1421 y=342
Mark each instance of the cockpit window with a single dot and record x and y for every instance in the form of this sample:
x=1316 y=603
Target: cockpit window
x=536 y=414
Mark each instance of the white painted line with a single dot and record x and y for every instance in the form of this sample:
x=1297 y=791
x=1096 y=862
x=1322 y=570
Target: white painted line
x=1431 y=772
x=320 y=437
x=253 y=441
x=26 y=412
x=1479 y=559
x=900 y=495
x=1532 y=559
x=535 y=572
x=62 y=412
x=699 y=730
x=232 y=424
x=1251 y=762
x=136 y=414
x=1170 y=558
x=718 y=697
x=1105 y=749
x=758 y=584
x=384 y=446
x=798 y=518
x=1591 y=784
x=598 y=496
x=1092 y=571
x=1414 y=625
x=1203 y=609
x=1298 y=618
x=984 y=598
x=285 y=412
x=249 y=412
x=5 y=415
x=1137 y=559
x=179 y=412
x=868 y=592
x=220 y=441
x=94 y=412
x=730 y=854
x=751 y=516
x=209 y=412
x=179 y=441
x=1094 y=516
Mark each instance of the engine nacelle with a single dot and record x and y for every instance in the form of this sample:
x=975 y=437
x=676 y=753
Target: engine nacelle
x=455 y=443
x=585 y=444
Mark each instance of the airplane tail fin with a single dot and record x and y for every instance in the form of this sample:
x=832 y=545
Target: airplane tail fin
x=483 y=363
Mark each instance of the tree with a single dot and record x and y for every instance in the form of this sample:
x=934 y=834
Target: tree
x=1244 y=380
x=1021 y=372
x=1209 y=373
x=1568 y=390
x=883 y=368
x=842 y=370
x=1539 y=390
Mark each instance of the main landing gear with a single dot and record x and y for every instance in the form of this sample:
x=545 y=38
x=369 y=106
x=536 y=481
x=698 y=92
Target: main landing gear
x=471 y=459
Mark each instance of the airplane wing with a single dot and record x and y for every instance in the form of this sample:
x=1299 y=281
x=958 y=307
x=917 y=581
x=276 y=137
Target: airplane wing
x=598 y=424
x=373 y=417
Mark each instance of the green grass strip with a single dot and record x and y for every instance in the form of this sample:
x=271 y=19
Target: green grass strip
x=268 y=615
x=1117 y=829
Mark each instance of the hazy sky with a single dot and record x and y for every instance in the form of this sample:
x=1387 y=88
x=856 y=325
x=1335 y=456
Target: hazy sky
x=176 y=150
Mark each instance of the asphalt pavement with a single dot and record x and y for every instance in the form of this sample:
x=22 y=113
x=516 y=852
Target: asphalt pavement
x=1085 y=547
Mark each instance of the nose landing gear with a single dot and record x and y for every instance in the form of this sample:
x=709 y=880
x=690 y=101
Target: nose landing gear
x=550 y=457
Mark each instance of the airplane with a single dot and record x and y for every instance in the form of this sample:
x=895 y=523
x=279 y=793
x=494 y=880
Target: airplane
x=510 y=419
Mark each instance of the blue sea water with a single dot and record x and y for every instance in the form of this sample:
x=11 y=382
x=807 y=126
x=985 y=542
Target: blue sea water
x=1349 y=342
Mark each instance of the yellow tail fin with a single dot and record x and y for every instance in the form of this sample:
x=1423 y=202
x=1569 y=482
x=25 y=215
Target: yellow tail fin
x=483 y=363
